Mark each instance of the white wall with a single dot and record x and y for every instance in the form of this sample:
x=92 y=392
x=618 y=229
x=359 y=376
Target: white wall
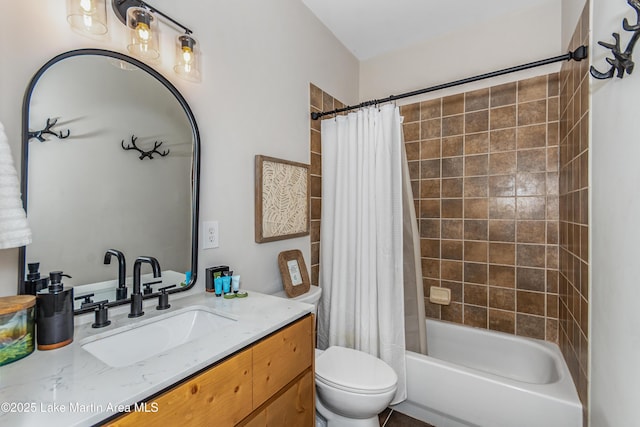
x=258 y=60
x=615 y=209
x=510 y=40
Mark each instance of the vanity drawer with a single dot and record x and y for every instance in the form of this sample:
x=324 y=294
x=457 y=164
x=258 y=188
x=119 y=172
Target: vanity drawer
x=293 y=407
x=280 y=358
x=219 y=396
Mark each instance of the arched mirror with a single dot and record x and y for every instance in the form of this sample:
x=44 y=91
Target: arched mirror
x=125 y=177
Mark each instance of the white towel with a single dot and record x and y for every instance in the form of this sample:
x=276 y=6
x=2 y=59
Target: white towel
x=14 y=228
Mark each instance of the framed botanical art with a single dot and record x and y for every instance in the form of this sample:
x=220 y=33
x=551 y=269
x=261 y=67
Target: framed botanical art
x=282 y=197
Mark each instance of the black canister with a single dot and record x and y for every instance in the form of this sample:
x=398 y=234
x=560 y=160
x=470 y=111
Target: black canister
x=54 y=320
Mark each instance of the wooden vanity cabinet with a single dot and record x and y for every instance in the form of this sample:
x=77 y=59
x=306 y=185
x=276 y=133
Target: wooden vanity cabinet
x=270 y=383
x=289 y=408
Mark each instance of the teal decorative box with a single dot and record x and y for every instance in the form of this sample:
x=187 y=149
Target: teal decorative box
x=17 y=327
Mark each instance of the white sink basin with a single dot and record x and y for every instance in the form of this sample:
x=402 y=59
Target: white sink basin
x=131 y=344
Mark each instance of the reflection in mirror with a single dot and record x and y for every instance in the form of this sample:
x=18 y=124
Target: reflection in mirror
x=94 y=192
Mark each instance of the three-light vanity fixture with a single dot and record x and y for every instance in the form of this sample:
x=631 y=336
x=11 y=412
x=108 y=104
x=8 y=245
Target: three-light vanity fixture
x=90 y=17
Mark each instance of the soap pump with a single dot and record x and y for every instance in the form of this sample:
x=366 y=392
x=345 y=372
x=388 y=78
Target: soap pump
x=54 y=314
x=34 y=282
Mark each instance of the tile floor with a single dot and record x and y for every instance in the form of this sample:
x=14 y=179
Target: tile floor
x=391 y=418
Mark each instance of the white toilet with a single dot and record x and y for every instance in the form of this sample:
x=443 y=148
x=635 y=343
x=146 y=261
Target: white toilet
x=352 y=387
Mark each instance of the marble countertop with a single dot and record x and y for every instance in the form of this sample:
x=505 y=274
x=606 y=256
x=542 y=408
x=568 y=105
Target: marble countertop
x=70 y=387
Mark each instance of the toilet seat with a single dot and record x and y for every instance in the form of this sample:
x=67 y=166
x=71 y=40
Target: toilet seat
x=354 y=371
x=351 y=389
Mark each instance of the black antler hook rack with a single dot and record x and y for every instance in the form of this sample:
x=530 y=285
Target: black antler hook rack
x=143 y=153
x=39 y=135
x=621 y=61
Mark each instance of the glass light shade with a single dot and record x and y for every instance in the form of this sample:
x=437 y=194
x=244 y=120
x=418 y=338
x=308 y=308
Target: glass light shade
x=143 y=34
x=187 y=58
x=87 y=16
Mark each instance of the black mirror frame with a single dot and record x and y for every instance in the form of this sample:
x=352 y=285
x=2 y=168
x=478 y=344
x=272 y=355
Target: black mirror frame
x=195 y=179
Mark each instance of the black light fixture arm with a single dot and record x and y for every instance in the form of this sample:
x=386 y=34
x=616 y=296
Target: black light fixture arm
x=167 y=17
x=622 y=60
x=577 y=55
x=120 y=8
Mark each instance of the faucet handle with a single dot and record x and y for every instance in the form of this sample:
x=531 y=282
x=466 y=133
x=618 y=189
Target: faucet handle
x=87 y=300
x=102 y=315
x=147 y=286
x=163 y=299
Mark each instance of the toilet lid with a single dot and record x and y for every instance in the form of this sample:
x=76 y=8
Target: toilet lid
x=354 y=370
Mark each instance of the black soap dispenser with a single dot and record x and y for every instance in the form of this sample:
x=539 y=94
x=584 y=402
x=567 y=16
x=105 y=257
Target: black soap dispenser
x=34 y=282
x=54 y=314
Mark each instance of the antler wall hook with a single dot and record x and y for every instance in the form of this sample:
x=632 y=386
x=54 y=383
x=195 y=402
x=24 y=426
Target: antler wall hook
x=39 y=135
x=143 y=153
x=621 y=61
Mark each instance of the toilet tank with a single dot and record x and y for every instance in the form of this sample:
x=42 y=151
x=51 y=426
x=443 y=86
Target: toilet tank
x=311 y=297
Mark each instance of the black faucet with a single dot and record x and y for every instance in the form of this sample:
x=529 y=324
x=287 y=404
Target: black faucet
x=121 y=290
x=136 y=295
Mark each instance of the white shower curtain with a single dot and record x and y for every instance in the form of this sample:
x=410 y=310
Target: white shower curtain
x=361 y=256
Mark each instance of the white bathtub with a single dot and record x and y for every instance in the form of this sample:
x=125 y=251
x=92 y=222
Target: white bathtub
x=476 y=377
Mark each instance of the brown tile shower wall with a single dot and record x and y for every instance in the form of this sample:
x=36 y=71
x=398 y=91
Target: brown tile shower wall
x=319 y=101
x=484 y=170
x=574 y=212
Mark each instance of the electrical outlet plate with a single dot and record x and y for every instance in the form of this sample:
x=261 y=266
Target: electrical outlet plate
x=210 y=237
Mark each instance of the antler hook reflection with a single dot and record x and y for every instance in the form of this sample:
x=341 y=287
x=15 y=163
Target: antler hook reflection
x=39 y=135
x=143 y=153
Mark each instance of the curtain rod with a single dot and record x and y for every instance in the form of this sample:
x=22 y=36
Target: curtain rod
x=577 y=55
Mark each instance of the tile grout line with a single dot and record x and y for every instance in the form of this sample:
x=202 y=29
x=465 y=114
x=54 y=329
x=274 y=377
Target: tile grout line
x=384 y=424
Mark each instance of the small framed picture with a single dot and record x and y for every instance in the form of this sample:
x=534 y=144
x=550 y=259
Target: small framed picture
x=293 y=270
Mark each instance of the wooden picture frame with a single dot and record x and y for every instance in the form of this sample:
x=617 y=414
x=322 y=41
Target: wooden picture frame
x=282 y=196
x=295 y=277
